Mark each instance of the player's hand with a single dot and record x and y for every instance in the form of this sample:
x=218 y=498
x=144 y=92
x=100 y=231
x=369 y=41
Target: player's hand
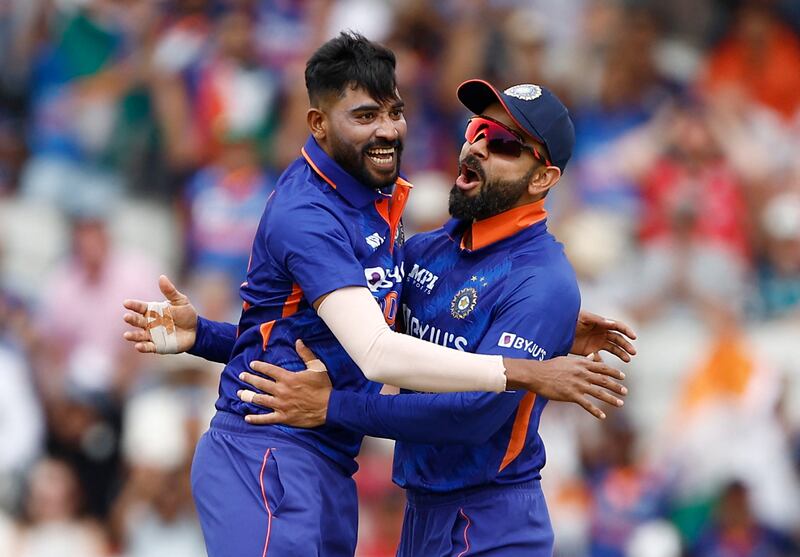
x=180 y=311
x=583 y=381
x=595 y=333
x=297 y=398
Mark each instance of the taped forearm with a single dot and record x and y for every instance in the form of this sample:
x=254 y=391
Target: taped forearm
x=407 y=362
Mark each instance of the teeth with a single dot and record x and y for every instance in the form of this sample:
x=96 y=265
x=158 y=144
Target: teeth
x=382 y=155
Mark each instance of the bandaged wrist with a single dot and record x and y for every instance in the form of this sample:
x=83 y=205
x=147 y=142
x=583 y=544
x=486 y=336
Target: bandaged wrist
x=162 y=327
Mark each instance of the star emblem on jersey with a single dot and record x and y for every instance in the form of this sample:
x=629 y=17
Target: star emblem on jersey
x=463 y=302
x=525 y=92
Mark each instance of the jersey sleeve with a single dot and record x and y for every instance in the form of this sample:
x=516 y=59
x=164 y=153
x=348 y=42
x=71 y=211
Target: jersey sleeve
x=313 y=246
x=536 y=318
x=213 y=340
x=543 y=318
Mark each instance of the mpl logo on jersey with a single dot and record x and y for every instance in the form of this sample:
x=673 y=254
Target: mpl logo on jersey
x=512 y=340
x=422 y=278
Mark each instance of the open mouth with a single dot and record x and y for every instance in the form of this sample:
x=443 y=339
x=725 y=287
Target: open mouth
x=382 y=157
x=468 y=177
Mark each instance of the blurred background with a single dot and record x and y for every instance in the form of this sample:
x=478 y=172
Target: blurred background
x=143 y=136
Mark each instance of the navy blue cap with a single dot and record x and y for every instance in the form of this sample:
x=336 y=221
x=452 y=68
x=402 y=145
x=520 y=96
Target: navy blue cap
x=533 y=108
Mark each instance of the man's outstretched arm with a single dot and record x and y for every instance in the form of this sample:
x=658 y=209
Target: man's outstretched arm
x=173 y=326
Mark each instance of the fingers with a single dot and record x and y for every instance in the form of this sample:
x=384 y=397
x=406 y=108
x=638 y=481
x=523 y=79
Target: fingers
x=145 y=347
x=608 y=383
x=591 y=408
x=310 y=359
x=277 y=373
x=136 y=320
x=621 y=327
x=604 y=396
x=259 y=383
x=272 y=418
x=259 y=399
x=617 y=351
x=170 y=292
x=604 y=369
x=138 y=306
x=621 y=341
x=138 y=335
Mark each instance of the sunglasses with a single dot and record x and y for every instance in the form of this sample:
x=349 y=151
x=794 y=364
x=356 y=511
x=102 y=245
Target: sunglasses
x=500 y=139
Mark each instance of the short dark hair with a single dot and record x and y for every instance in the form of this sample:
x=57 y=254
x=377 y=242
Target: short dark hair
x=351 y=60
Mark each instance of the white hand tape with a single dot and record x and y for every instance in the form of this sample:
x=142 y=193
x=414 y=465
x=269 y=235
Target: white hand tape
x=316 y=365
x=162 y=327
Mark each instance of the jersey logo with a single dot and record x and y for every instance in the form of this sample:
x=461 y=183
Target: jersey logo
x=374 y=240
x=379 y=278
x=426 y=331
x=463 y=302
x=512 y=340
x=422 y=278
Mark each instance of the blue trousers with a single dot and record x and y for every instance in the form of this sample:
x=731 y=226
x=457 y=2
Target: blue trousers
x=496 y=521
x=259 y=493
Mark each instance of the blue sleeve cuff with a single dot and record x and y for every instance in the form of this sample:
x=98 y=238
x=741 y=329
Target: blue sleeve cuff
x=213 y=340
x=336 y=403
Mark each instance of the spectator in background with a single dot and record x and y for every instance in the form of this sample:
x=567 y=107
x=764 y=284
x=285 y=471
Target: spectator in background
x=761 y=57
x=153 y=514
x=736 y=532
x=21 y=417
x=234 y=117
x=76 y=82
x=631 y=88
x=224 y=202
x=54 y=524
x=81 y=349
x=778 y=270
x=235 y=96
x=693 y=227
x=624 y=493
x=177 y=54
x=82 y=369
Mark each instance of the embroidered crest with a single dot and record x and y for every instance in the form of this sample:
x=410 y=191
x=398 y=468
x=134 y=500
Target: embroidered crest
x=525 y=92
x=463 y=302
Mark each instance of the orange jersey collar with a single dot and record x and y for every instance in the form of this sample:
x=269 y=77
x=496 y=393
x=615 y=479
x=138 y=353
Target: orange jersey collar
x=504 y=225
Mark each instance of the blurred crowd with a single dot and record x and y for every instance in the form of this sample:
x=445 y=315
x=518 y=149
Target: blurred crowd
x=143 y=136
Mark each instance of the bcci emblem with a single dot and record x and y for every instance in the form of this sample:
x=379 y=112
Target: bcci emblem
x=463 y=302
x=525 y=92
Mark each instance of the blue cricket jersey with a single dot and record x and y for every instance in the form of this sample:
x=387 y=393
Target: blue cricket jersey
x=321 y=230
x=513 y=293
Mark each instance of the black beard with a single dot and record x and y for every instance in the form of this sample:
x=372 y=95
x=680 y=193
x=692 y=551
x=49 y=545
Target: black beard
x=494 y=197
x=354 y=163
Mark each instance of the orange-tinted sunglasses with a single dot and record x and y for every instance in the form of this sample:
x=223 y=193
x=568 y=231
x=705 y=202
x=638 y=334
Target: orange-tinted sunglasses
x=500 y=139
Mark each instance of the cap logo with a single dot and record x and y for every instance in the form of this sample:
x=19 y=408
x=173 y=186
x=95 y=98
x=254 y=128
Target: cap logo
x=525 y=92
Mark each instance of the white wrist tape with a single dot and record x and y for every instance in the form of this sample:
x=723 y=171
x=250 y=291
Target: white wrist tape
x=162 y=327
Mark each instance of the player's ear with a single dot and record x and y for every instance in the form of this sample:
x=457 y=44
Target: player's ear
x=317 y=123
x=542 y=180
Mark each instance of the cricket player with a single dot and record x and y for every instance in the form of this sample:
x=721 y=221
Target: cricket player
x=494 y=281
x=328 y=247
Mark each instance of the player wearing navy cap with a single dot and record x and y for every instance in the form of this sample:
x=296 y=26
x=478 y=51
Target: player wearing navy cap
x=471 y=462
x=329 y=246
